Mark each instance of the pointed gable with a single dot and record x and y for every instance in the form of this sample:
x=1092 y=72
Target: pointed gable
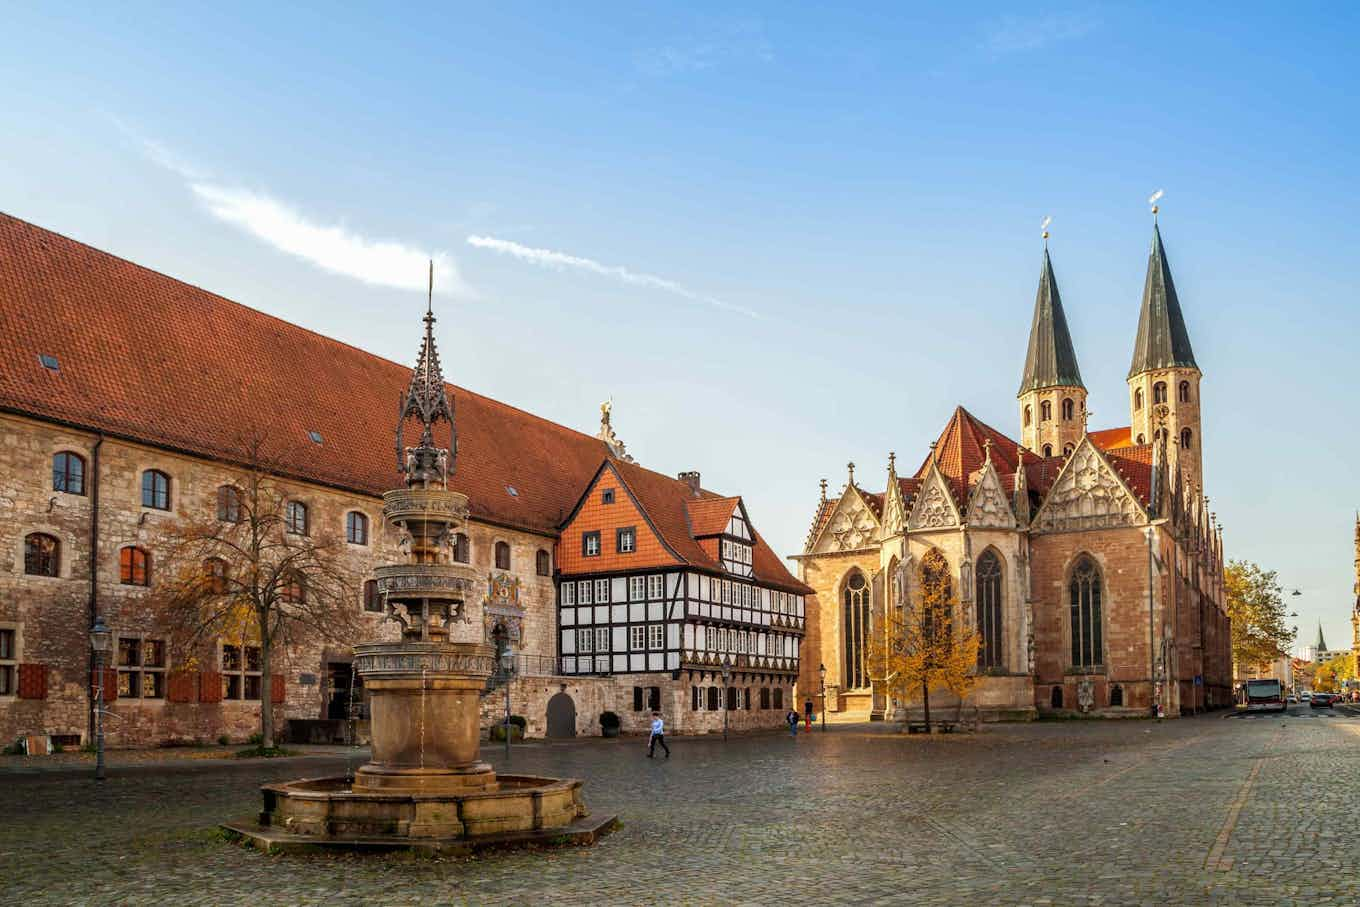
x=961 y=450
x=851 y=525
x=935 y=506
x=989 y=506
x=1089 y=493
x=710 y=516
x=1051 y=360
x=1162 y=340
x=623 y=509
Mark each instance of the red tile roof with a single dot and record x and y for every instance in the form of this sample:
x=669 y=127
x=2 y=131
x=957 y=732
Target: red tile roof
x=148 y=358
x=710 y=516
x=1112 y=438
x=1134 y=465
x=960 y=452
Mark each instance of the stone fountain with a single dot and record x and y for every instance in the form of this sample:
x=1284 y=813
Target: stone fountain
x=425 y=787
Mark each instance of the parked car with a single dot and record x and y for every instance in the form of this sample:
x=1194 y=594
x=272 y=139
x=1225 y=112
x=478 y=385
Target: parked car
x=1320 y=701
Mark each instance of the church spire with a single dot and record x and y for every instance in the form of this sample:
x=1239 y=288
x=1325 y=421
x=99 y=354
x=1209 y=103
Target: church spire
x=1162 y=341
x=1051 y=361
x=1321 y=643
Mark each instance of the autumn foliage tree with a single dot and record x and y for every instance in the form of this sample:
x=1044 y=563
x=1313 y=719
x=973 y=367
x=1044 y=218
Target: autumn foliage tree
x=253 y=573
x=924 y=649
x=1333 y=673
x=1255 y=604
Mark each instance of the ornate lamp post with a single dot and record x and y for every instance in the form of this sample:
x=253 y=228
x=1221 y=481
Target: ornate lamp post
x=101 y=640
x=821 y=675
x=508 y=669
x=727 y=693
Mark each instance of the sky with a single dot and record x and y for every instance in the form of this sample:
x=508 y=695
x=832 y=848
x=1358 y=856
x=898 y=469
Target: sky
x=779 y=237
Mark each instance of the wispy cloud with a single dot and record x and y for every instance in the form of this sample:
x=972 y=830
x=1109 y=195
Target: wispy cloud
x=729 y=41
x=547 y=258
x=331 y=247
x=1024 y=34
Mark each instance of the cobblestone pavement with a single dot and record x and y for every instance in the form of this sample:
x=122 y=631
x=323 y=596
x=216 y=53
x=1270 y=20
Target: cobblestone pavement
x=1211 y=810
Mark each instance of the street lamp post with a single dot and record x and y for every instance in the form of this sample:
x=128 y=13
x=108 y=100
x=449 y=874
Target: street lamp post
x=508 y=669
x=101 y=638
x=727 y=693
x=821 y=674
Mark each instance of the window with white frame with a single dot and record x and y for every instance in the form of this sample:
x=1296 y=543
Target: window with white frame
x=711 y=638
x=602 y=639
x=601 y=591
x=656 y=636
x=141 y=668
x=656 y=586
x=585 y=641
x=625 y=540
x=726 y=592
x=568 y=593
x=241 y=672
x=583 y=592
x=741 y=643
x=637 y=637
x=9 y=662
x=637 y=588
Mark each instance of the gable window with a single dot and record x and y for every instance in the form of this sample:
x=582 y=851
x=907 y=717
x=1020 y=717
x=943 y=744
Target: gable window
x=462 y=549
x=1084 y=589
x=372 y=600
x=134 y=567
x=241 y=672
x=215 y=569
x=1185 y=438
x=1159 y=392
x=542 y=563
x=141 y=668
x=1138 y=398
x=607 y=496
x=1067 y=409
x=9 y=662
x=41 y=554
x=656 y=586
x=590 y=544
x=1046 y=411
x=68 y=473
x=855 y=599
x=989 y=604
x=626 y=539
x=295 y=518
x=155 y=489
x=228 y=504
x=356 y=528
x=1183 y=392
x=502 y=556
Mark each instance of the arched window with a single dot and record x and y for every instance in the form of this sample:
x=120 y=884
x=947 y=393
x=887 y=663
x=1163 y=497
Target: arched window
x=372 y=601
x=1045 y=411
x=295 y=518
x=1138 y=398
x=542 y=563
x=855 y=630
x=356 y=528
x=68 y=473
x=462 y=549
x=1116 y=695
x=294 y=591
x=155 y=489
x=228 y=504
x=42 y=554
x=1183 y=392
x=989 y=603
x=215 y=569
x=1029 y=414
x=1067 y=409
x=1087 y=644
x=1159 y=392
x=134 y=567
x=1067 y=449
x=502 y=556
x=1048 y=450
x=1186 y=438
x=1055 y=698
x=936 y=588
x=1142 y=439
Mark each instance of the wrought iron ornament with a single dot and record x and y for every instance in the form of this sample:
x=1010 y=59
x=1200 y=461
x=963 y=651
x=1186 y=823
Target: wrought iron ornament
x=426 y=400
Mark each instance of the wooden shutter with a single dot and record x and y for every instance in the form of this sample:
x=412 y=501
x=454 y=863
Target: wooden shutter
x=182 y=686
x=276 y=688
x=32 y=681
x=110 y=685
x=209 y=686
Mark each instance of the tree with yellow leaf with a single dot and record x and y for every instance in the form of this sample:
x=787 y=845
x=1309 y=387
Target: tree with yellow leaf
x=1332 y=674
x=924 y=649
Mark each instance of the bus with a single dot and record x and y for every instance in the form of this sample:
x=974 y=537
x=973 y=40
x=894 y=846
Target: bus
x=1263 y=695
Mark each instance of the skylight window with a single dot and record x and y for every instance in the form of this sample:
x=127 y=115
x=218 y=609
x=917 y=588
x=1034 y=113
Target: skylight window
x=315 y=436
x=48 y=362
x=512 y=491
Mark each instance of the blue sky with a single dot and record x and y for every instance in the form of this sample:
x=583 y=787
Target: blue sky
x=793 y=236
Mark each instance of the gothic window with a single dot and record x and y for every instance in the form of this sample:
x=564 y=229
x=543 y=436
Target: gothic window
x=1087 y=644
x=936 y=585
x=1067 y=449
x=1138 y=398
x=1067 y=409
x=1183 y=392
x=462 y=549
x=356 y=528
x=155 y=489
x=372 y=601
x=41 y=554
x=295 y=518
x=855 y=630
x=1185 y=438
x=1045 y=411
x=1048 y=450
x=1142 y=439
x=68 y=473
x=1159 y=392
x=989 y=604
x=134 y=567
x=228 y=504
x=502 y=556
x=542 y=563
x=1029 y=415
x=215 y=569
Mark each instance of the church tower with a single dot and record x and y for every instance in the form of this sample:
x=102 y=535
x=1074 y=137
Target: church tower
x=1052 y=397
x=1164 y=378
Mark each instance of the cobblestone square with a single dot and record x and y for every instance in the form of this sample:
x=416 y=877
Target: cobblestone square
x=1211 y=810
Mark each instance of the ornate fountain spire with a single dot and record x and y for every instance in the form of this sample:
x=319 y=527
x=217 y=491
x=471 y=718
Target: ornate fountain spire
x=426 y=400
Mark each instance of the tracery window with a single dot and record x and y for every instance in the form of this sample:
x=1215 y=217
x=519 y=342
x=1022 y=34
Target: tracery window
x=1067 y=409
x=155 y=489
x=68 y=473
x=855 y=630
x=989 y=604
x=41 y=554
x=1159 y=392
x=1048 y=450
x=1085 y=616
x=936 y=583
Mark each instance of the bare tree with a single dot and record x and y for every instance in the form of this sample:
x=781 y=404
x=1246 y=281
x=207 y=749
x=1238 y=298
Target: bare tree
x=255 y=573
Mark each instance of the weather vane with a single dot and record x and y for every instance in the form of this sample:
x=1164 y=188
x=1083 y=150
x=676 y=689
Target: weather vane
x=1153 y=199
x=1043 y=228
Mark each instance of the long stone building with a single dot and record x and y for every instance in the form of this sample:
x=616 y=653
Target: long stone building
x=1088 y=561
x=125 y=396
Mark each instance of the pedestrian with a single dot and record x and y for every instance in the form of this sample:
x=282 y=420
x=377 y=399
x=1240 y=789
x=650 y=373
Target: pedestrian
x=792 y=719
x=658 y=736
x=807 y=712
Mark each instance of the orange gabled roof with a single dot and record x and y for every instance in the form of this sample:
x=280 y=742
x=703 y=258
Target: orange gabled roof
x=710 y=516
x=961 y=450
x=1112 y=438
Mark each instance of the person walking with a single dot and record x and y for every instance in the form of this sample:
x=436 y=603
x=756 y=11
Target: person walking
x=792 y=719
x=807 y=713
x=658 y=736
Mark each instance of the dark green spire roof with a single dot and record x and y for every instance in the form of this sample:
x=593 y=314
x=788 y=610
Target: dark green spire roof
x=1051 y=360
x=1162 y=340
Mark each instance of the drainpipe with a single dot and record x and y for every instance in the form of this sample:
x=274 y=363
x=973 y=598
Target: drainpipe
x=94 y=572
x=1152 y=637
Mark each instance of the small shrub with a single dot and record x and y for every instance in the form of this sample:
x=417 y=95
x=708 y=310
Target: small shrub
x=14 y=749
x=255 y=739
x=58 y=748
x=223 y=740
x=89 y=747
x=261 y=752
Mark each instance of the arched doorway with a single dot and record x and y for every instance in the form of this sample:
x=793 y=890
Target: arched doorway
x=561 y=716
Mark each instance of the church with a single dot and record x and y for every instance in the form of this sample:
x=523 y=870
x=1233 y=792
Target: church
x=1087 y=560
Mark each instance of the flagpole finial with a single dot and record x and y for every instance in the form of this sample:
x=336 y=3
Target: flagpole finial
x=1043 y=229
x=1153 y=199
x=429 y=303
